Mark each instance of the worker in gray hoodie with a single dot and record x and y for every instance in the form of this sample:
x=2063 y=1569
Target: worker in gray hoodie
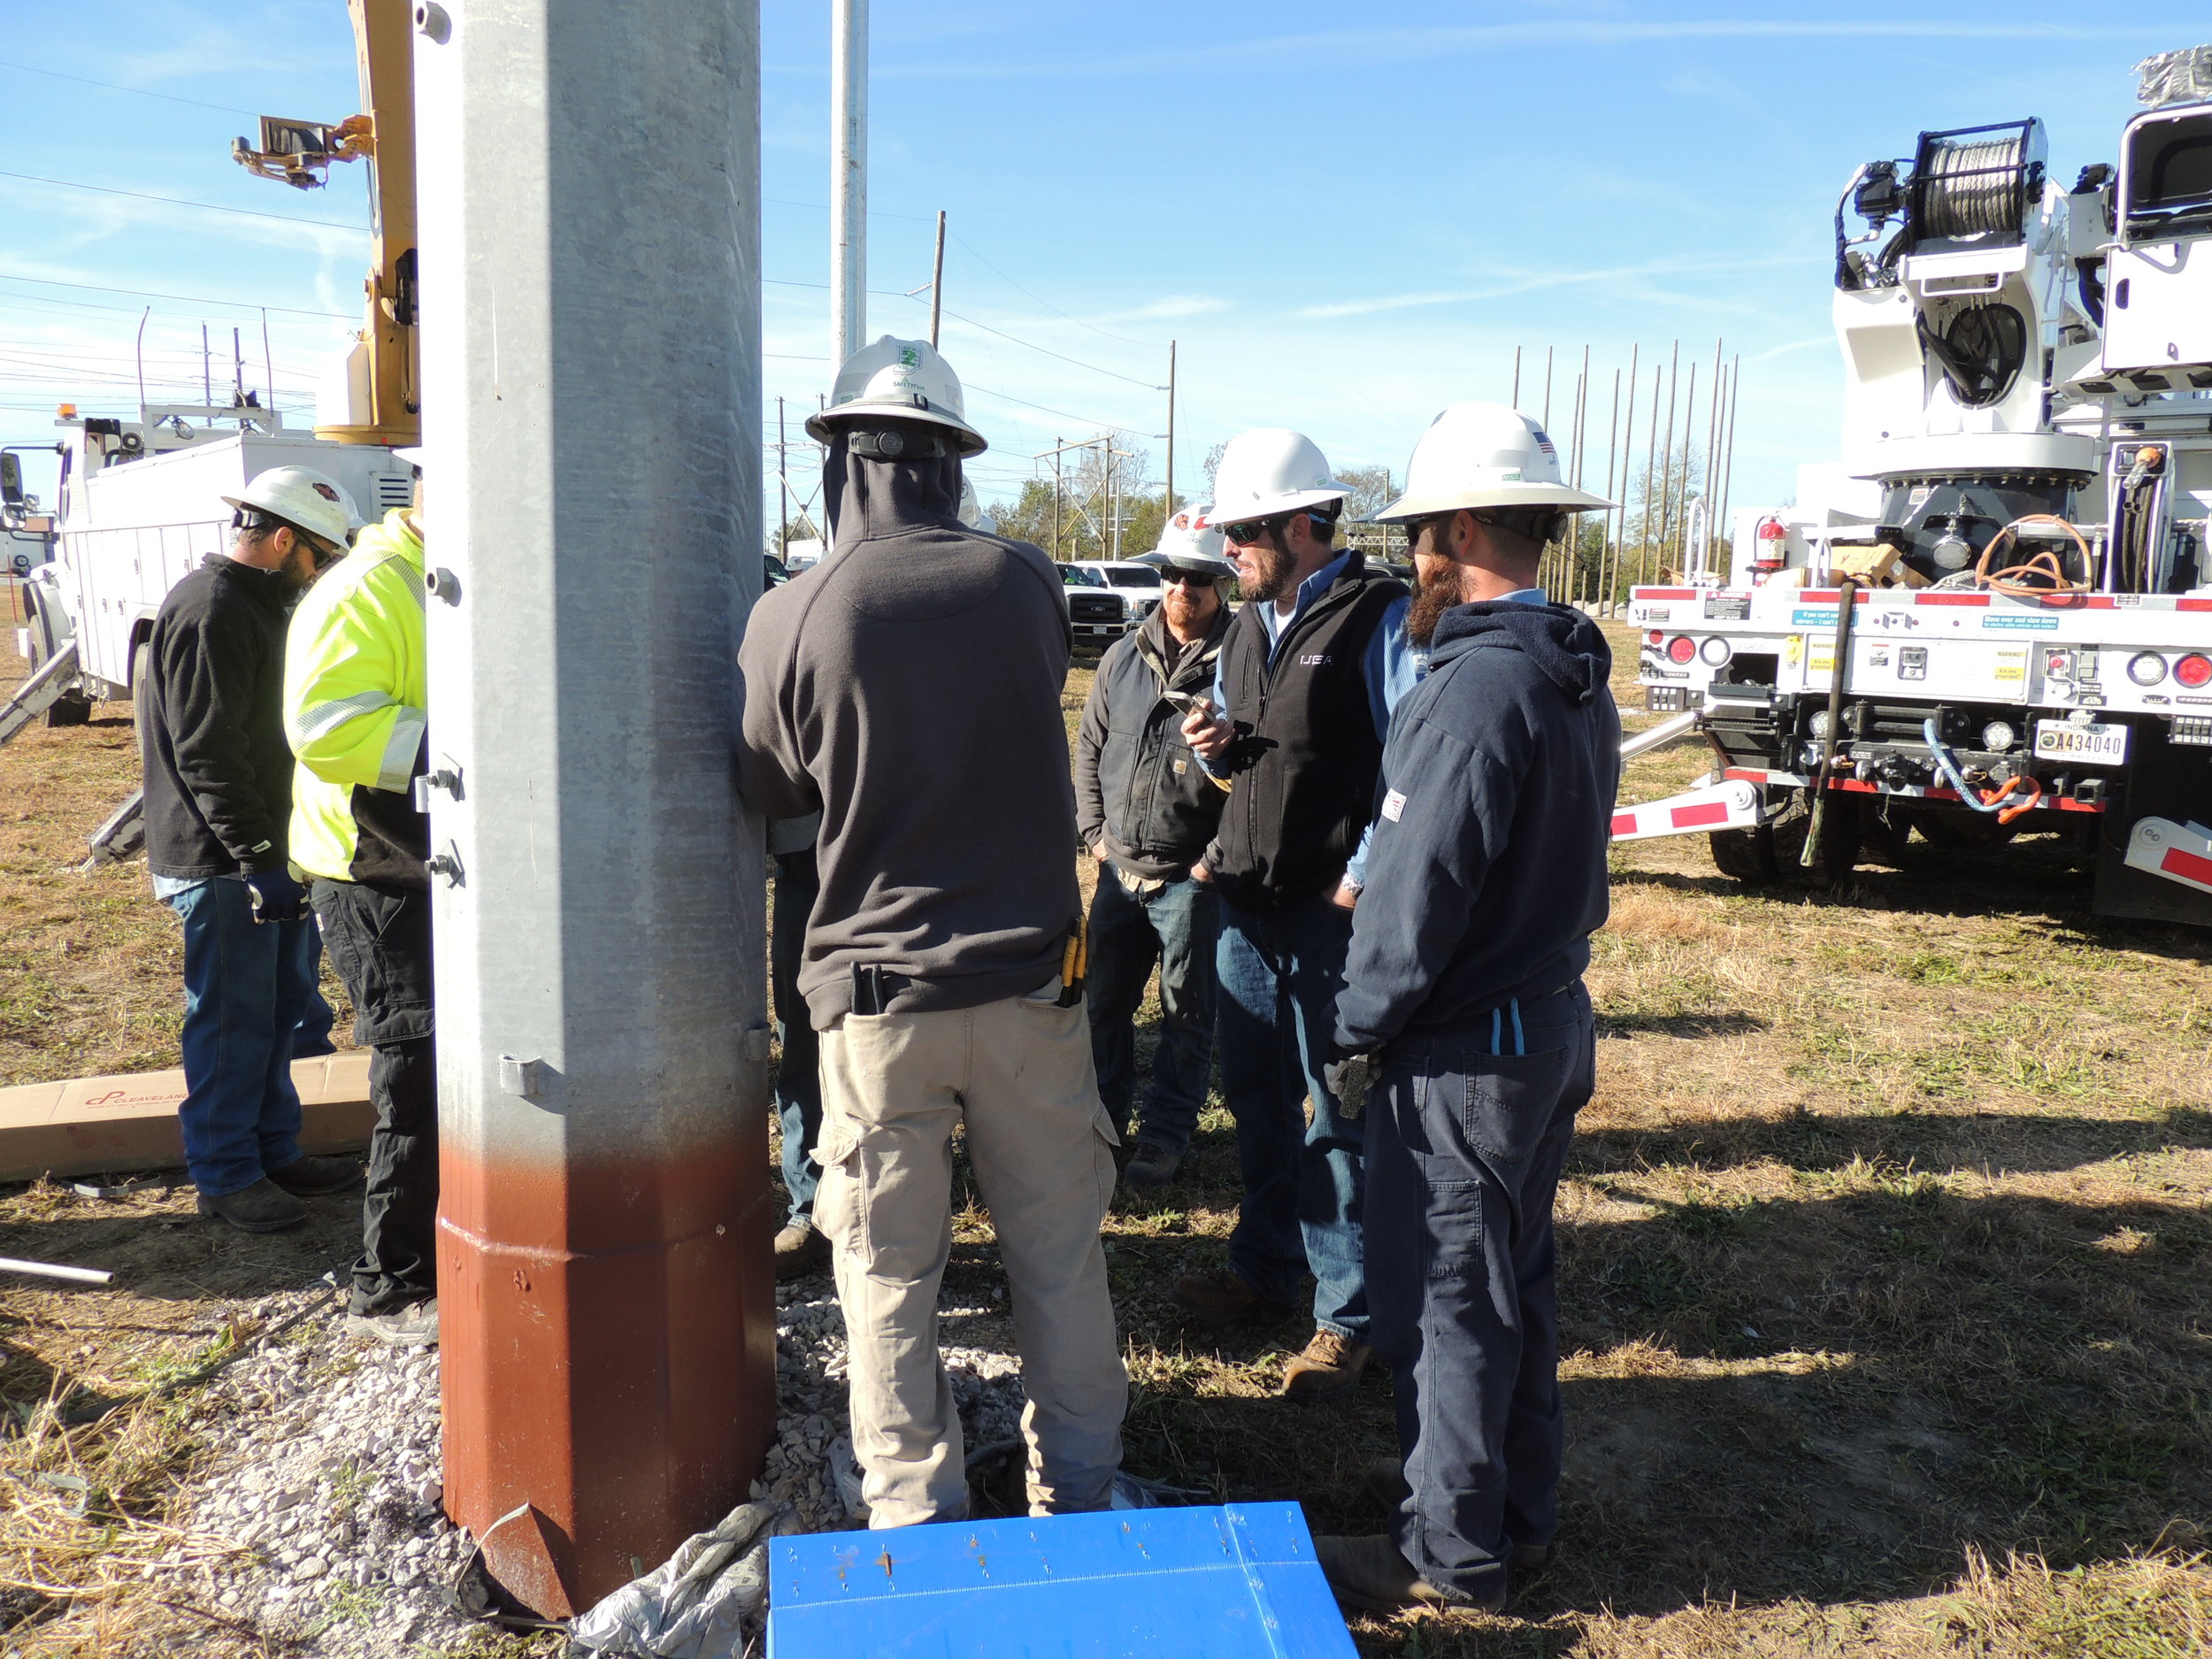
x=909 y=690
x=1464 y=1033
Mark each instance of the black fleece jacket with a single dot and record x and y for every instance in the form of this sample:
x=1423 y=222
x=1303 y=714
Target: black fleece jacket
x=219 y=771
x=1138 y=786
x=907 y=688
x=1487 y=874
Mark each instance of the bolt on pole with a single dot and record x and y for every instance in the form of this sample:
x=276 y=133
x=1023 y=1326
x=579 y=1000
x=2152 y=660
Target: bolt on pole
x=606 y=1280
x=848 y=179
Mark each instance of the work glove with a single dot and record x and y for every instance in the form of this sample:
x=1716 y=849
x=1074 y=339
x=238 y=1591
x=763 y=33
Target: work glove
x=276 y=897
x=1350 y=1079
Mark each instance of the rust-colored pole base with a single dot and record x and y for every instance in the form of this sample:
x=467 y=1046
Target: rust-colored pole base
x=609 y=1338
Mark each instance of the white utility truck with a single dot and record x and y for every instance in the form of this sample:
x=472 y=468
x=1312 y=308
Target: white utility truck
x=142 y=503
x=1994 y=617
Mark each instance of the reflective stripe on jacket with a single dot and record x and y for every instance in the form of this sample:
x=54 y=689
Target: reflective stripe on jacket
x=354 y=700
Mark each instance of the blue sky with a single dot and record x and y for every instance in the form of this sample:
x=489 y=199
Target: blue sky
x=1348 y=216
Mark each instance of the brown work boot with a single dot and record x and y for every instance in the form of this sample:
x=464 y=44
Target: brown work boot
x=1384 y=1481
x=1328 y=1370
x=801 y=1249
x=264 y=1207
x=1369 y=1574
x=318 y=1177
x=1223 y=1295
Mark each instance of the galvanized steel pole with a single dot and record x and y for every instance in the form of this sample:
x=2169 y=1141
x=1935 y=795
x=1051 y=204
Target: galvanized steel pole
x=590 y=253
x=848 y=178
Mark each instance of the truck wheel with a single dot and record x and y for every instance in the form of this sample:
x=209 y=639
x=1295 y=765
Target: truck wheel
x=1839 y=840
x=1745 y=855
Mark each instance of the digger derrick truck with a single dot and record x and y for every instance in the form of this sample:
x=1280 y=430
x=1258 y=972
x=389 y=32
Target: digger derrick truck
x=1994 y=616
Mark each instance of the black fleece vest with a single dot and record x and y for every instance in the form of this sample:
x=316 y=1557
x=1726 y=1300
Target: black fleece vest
x=1306 y=758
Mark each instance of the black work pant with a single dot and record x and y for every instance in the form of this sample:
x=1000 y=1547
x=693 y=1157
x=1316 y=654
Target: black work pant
x=378 y=938
x=1465 y=1141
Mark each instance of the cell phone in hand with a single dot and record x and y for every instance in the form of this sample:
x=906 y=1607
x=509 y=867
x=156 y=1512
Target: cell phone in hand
x=1187 y=704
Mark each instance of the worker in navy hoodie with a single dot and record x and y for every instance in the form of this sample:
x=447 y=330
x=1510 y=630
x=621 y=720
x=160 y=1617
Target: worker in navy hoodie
x=1464 y=1033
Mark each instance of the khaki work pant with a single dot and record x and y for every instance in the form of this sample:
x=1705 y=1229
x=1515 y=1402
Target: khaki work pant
x=1019 y=1074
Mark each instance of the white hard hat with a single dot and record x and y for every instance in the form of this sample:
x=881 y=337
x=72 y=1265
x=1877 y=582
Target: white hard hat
x=1190 y=540
x=1484 y=455
x=304 y=500
x=901 y=378
x=1272 y=469
x=972 y=513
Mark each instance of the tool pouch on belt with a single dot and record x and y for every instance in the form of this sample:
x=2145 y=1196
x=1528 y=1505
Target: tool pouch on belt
x=1075 y=961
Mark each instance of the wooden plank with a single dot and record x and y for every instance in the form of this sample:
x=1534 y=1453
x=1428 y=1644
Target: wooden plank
x=91 y=1124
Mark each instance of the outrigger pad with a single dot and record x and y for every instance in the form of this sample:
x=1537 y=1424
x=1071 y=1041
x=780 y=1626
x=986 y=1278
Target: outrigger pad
x=1225 y=1583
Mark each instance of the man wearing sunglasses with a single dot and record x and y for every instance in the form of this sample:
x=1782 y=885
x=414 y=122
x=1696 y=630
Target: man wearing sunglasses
x=218 y=794
x=1307 y=680
x=1145 y=808
x=1463 y=1032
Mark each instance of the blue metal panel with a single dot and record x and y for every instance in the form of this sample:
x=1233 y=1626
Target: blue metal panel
x=1121 y=1583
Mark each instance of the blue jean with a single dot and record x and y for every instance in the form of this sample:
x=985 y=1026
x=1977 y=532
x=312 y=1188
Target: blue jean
x=1280 y=972
x=1178 y=927
x=246 y=987
x=1466 y=1137
x=798 y=1073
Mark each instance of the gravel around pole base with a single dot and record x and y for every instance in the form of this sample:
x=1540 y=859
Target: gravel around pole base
x=329 y=1490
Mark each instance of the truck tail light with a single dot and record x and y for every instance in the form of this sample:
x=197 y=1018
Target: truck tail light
x=1681 y=647
x=2193 y=671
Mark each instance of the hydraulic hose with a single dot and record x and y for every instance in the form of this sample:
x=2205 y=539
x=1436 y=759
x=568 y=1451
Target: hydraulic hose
x=1996 y=801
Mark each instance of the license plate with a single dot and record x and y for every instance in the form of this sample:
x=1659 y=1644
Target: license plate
x=2098 y=743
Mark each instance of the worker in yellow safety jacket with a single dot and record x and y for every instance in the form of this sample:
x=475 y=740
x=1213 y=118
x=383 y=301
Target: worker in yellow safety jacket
x=355 y=703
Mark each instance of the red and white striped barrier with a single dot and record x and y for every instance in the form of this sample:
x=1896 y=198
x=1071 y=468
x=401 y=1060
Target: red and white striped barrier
x=1731 y=805
x=2179 y=852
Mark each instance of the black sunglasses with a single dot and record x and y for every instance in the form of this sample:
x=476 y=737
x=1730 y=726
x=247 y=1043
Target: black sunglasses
x=1248 y=531
x=1187 y=579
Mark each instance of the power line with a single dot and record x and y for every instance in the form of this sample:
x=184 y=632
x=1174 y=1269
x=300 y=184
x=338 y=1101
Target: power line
x=185 y=299
x=178 y=200
x=1155 y=344
x=87 y=81
x=1049 y=352
x=1107 y=425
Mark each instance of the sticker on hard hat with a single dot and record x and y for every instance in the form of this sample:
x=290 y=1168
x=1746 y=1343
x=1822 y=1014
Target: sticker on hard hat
x=325 y=491
x=910 y=356
x=1544 y=444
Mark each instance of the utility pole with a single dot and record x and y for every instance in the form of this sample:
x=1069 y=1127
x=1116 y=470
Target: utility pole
x=1169 y=513
x=1728 y=473
x=848 y=179
x=605 y=1265
x=1604 y=545
x=207 y=374
x=1651 y=460
x=1514 y=401
x=1666 y=450
x=937 y=280
x=783 y=485
x=1628 y=466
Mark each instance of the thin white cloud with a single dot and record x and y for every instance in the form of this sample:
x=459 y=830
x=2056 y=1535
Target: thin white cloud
x=1346 y=48
x=1529 y=283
